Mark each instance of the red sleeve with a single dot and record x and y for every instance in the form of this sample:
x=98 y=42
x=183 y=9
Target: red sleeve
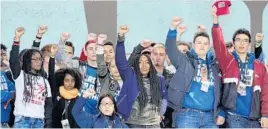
x=222 y=54
x=264 y=93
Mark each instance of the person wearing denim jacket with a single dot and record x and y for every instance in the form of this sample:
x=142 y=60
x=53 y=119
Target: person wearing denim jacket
x=195 y=90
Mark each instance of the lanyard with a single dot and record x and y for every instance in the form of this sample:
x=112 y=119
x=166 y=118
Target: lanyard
x=202 y=66
x=65 y=111
x=243 y=69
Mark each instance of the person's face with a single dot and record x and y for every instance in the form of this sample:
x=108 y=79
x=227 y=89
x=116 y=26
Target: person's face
x=69 y=82
x=36 y=61
x=241 y=43
x=144 y=66
x=183 y=48
x=201 y=46
x=107 y=106
x=4 y=55
x=108 y=53
x=158 y=56
x=230 y=49
x=113 y=69
x=69 y=51
x=91 y=51
x=4 y=60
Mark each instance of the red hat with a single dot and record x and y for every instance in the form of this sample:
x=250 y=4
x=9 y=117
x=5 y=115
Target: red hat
x=222 y=7
x=83 y=56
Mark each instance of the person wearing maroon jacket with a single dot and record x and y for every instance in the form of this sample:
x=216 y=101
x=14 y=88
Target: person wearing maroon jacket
x=245 y=89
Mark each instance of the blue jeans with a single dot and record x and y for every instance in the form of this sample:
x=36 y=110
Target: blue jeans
x=143 y=126
x=28 y=122
x=191 y=118
x=4 y=125
x=236 y=121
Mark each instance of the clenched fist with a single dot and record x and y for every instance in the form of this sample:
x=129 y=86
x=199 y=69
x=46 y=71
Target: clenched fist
x=101 y=39
x=181 y=28
x=259 y=37
x=91 y=36
x=123 y=30
x=65 y=36
x=175 y=22
x=41 y=30
x=201 y=28
x=89 y=93
x=18 y=33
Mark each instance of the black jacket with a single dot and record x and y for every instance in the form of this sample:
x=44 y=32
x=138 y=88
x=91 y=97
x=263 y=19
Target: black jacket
x=63 y=110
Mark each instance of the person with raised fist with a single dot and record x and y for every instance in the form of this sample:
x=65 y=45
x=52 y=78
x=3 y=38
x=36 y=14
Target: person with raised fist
x=107 y=118
x=7 y=90
x=65 y=53
x=142 y=100
x=33 y=103
x=42 y=29
x=245 y=85
x=195 y=90
x=108 y=74
x=144 y=47
x=88 y=69
x=258 y=47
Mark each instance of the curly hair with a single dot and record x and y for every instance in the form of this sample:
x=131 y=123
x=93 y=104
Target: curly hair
x=61 y=73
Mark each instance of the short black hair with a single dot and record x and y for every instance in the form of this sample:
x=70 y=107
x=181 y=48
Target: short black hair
x=3 y=47
x=229 y=44
x=109 y=43
x=242 y=31
x=70 y=44
x=203 y=34
x=109 y=96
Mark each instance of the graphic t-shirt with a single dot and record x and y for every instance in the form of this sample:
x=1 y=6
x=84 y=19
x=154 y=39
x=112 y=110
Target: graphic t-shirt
x=32 y=102
x=90 y=82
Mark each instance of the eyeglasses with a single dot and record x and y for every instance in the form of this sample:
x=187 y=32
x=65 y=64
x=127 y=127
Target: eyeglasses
x=109 y=104
x=37 y=59
x=241 y=40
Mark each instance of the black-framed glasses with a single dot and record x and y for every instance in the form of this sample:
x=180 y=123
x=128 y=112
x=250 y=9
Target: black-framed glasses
x=242 y=40
x=38 y=59
x=109 y=104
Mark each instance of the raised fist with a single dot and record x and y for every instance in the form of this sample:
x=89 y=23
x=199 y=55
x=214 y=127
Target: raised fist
x=201 y=28
x=146 y=43
x=181 y=28
x=214 y=11
x=101 y=39
x=19 y=32
x=214 y=15
x=91 y=36
x=65 y=36
x=88 y=93
x=175 y=22
x=123 y=30
x=53 y=50
x=42 y=30
x=259 y=37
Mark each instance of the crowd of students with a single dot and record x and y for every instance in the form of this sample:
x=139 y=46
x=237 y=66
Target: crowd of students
x=176 y=84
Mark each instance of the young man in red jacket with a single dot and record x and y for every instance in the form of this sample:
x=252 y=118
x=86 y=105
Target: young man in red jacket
x=245 y=93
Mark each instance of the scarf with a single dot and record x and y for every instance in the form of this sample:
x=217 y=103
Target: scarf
x=68 y=94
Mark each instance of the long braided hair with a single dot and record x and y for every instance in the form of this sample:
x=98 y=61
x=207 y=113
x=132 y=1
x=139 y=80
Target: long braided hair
x=31 y=78
x=154 y=84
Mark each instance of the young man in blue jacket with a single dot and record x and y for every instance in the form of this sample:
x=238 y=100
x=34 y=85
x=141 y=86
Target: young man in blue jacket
x=195 y=89
x=7 y=89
